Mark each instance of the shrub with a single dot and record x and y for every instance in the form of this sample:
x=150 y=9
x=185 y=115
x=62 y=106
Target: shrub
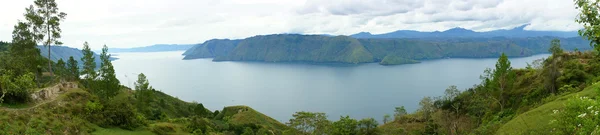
x=580 y=116
x=162 y=129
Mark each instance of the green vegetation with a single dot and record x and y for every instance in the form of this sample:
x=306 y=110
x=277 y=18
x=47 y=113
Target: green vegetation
x=395 y=60
x=558 y=95
x=44 y=19
x=342 y=49
x=298 y=48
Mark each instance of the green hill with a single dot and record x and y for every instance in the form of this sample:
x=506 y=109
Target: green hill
x=537 y=121
x=299 y=48
x=211 y=49
x=343 y=49
x=242 y=116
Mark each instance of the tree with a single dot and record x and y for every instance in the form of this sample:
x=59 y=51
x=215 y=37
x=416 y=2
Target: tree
x=23 y=49
x=589 y=17
x=15 y=88
x=61 y=68
x=310 y=123
x=367 y=126
x=110 y=84
x=345 y=126
x=551 y=72
x=386 y=118
x=89 y=63
x=72 y=69
x=503 y=78
x=399 y=112
x=45 y=19
x=142 y=83
x=555 y=47
x=426 y=107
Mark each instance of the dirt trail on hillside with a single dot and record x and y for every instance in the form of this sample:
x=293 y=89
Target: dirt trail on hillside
x=46 y=95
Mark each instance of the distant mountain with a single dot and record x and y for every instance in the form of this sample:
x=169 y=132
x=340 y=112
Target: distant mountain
x=63 y=52
x=391 y=51
x=153 y=48
x=517 y=32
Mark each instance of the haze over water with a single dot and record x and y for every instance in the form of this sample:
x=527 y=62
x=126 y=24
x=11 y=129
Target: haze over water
x=280 y=89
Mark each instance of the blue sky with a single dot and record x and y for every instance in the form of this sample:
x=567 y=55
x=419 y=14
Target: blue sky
x=134 y=23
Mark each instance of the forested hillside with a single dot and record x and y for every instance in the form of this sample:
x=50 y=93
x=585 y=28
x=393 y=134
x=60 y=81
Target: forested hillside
x=63 y=52
x=343 y=49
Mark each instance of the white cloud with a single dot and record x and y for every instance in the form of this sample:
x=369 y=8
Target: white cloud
x=132 y=23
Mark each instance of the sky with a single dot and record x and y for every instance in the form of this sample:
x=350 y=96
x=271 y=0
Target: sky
x=136 y=23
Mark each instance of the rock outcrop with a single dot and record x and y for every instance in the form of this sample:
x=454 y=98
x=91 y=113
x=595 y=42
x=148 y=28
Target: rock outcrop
x=50 y=93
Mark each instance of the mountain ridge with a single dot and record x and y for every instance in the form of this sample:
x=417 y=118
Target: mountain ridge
x=518 y=31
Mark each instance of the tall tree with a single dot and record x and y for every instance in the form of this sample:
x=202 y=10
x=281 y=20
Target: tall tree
x=107 y=75
x=73 y=69
x=551 y=71
x=589 y=17
x=23 y=49
x=61 y=68
x=503 y=77
x=145 y=95
x=89 y=63
x=427 y=107
x=45 y=19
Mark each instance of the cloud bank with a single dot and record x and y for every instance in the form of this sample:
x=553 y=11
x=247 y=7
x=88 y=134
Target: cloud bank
x=134 y=23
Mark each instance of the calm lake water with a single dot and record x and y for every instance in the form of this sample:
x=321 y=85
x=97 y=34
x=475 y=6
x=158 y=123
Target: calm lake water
x=278 y=90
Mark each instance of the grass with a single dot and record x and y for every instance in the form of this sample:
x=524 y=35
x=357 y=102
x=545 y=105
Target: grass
x=241 y=115
x=537 y=121
x=118 y=131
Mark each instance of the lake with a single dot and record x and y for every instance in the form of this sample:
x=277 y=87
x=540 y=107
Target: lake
x=280 y=89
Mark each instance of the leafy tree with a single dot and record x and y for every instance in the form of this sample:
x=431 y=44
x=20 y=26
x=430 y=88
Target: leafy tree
x=143 y=94
x=310 y=123
x=89 y=65
x=367 y=126
x=426 y=107
x=61 y=68
x=15 y=88
x=72 y=69
x=45 y=19
x=23 y=49
x=345 y=126
x=386 y=118
x=399 y=112
x=589 y=17
x=109 y=83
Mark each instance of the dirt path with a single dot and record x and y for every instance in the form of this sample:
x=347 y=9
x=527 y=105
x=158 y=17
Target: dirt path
x=46 y=95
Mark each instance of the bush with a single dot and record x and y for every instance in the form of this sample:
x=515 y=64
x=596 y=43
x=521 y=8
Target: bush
x=15 y=89
x=117 y=112
x=162 y=129
x=198 y=123
x=581 y=116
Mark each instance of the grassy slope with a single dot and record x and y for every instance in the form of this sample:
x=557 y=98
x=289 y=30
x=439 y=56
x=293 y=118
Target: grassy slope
x=537 y=120
x=244 y=115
